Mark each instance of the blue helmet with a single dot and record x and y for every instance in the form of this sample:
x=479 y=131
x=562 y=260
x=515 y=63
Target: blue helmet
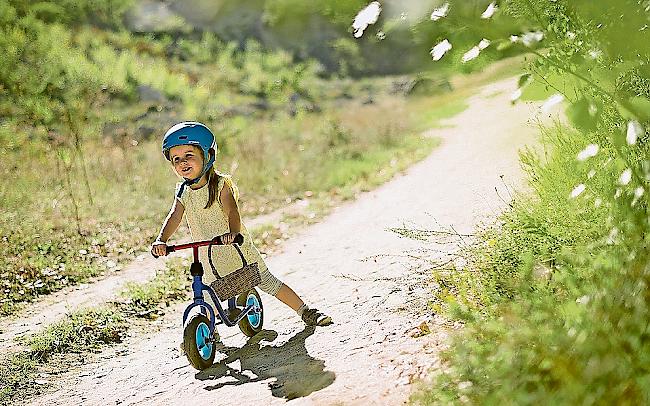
x=191 y=133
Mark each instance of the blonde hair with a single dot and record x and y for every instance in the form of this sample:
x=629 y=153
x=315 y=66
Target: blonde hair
x=213 y=181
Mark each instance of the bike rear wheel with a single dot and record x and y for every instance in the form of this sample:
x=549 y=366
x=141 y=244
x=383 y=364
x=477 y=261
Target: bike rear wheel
x=252 y=323
x=198 y=344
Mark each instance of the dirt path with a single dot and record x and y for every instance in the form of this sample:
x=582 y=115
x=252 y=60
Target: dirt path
x=367 y=356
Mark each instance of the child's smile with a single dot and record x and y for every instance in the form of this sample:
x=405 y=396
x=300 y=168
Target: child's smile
x=187 y=161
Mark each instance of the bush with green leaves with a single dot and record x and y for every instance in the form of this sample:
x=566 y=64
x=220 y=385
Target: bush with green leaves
x=103 y=13
x=556 y=299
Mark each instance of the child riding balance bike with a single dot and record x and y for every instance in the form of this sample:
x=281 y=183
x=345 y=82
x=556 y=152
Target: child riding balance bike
x=208 y=201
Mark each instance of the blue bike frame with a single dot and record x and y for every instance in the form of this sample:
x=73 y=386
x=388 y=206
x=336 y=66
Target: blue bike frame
x=196 y=270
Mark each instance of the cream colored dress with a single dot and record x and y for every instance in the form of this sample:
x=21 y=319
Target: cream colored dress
x=205 y=224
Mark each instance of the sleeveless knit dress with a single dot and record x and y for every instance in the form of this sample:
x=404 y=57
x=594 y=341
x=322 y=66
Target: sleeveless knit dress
x=205 y=224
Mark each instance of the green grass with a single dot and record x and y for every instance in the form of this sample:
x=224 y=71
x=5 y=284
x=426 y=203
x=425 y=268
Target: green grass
x=17 y=377
x=81 y=331
x=352 y=178
x=432 y=118
x=360 y=172
x=144 y=299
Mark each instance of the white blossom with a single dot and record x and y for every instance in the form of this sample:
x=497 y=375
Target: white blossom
x=595 y=53
x=532 y=38
x=438 y=51
x=590 y=151
x=471 y=54
x=476 y=50
x=634 y=131
x=591 y=174
x=598 y=202
x=516 y=95
x=638 y=192
x=490 y=10
x=440 y=12
x=577 y=191
x=551 y=102
x=367 y=16
x=625 y=177
x=514 y=38
x=465 y=385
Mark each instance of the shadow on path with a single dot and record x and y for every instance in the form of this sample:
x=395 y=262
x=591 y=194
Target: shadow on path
x=296 y=373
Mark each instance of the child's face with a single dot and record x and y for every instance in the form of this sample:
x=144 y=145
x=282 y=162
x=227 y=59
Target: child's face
x=187 y=160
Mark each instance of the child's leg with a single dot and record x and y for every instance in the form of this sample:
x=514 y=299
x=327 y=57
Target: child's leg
x=274 y=287
x=287 y=296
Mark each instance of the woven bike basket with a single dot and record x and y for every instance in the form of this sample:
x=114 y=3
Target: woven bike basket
x=240 y=281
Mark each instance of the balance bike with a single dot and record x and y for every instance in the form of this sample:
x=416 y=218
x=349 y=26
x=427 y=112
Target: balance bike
x=200 y=335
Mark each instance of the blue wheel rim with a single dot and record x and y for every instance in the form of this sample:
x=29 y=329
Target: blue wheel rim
x=254 y=318
x=202 y=343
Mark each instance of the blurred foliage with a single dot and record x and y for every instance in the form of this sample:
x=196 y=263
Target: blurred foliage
x=399 y=42
x=103 y=13
x=556 y=300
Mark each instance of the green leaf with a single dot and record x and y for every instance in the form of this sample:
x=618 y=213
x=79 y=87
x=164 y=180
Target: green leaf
x=583 y=114
x=624 y=110
x=640 y=107
x=523 y=80
x=503 y=45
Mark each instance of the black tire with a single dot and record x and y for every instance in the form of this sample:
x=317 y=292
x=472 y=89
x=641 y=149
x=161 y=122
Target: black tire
x=249 y=325
x=199 y=358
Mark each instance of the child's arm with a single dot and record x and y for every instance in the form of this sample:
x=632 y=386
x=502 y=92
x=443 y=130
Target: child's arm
x=171 y=223
x=232 y=213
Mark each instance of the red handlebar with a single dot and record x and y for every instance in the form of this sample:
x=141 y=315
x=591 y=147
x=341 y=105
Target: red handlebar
x=215 y=241
x=239 y=240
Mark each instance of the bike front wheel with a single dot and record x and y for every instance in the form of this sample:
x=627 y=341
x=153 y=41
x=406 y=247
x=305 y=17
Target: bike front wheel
x=198 y=343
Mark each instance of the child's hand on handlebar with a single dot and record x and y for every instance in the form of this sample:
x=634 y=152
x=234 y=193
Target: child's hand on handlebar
x=228 y=238
x=158 y=249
